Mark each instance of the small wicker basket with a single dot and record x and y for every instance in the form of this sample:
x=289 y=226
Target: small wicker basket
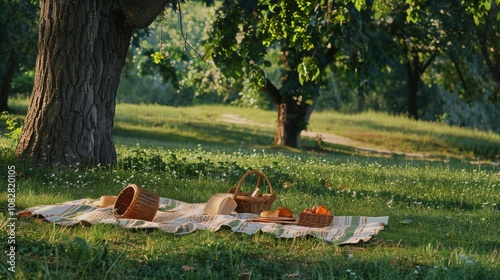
x=246 y=203
x=314 y=220
x=135 y=202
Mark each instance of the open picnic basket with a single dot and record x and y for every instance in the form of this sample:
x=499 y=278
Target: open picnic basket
x=253 y=202
x=135 y=202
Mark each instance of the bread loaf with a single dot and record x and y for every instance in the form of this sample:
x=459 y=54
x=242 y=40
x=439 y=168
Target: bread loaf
x=268 y=214
x=284 y=212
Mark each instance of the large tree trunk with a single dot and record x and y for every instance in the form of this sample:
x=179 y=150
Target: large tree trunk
x=292 y=119
x=289 y=117
x=81 y=53
x=7 y=80
x=288 y=130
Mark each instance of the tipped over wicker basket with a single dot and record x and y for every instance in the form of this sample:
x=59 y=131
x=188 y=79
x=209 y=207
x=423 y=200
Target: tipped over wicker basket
x=314 y=220
x=246 y=203
x=135 y=202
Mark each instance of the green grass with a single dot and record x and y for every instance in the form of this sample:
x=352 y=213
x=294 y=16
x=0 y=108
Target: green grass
x=169 y=126
x=403 y=134
x=444 y=214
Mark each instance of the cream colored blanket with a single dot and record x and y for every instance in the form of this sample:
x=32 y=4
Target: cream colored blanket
x=179 y=217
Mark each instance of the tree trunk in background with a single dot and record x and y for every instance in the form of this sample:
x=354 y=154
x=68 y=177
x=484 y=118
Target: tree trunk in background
x=292 y=119
x=414 y=70
x=293 y=111
x=7 y=80
x=81 y=53
x=280 y=135
x=288 y=131
x=412 y=96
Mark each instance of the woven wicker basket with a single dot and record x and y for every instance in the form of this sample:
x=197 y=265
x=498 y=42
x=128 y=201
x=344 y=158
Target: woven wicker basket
x=314 y=220
x=135 y=202
x=246 y=203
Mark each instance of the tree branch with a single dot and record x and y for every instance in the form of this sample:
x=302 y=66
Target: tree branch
x=141 y=13
x=428 y=62
x=272 y=92
x=187 y=45
x=459 y=72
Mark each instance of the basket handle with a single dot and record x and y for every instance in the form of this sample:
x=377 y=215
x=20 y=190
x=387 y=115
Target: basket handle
x=259 y=176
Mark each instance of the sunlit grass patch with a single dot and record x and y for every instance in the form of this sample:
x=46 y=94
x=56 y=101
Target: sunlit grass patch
x=401 y=133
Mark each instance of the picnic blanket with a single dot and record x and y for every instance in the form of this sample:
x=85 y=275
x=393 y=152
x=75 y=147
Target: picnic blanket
x=178 y=217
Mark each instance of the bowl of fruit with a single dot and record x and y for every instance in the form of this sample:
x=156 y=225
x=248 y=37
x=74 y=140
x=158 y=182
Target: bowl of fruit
x=317 y=216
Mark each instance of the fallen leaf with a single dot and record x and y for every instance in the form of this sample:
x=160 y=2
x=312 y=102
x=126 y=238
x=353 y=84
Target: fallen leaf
x=407 y=221
x=188 y=268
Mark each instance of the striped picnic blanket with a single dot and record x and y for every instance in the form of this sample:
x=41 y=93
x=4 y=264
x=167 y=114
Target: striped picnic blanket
x=179 y=217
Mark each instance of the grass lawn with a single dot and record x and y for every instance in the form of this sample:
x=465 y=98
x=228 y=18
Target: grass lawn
x=443 y=208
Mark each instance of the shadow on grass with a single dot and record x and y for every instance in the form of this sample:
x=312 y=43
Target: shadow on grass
x=438 y=232
x=230 y=136
x=126 y=254
x=200 y=133
x=403 y=200
x=463 y=143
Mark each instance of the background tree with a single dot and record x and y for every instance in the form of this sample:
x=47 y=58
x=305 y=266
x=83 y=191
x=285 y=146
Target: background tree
x=309 y=35
x=411 y=36
x=18 y=30
x=414 y=42
x=486 y=16
x=442 y=36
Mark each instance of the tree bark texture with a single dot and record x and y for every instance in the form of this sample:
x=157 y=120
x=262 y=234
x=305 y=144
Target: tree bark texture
x=7 y=80
x=81 y=53
x=293 y=117
x=297 y=116
x=280 y=135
